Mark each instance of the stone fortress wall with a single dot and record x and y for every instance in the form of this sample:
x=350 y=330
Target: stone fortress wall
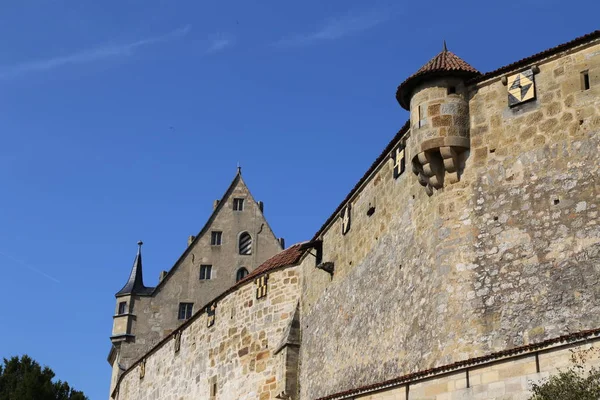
x=241 y=356
x=494 y=245
x=507 y=256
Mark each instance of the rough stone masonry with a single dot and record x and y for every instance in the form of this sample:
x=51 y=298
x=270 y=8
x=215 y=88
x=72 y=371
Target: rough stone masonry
x=468 y=266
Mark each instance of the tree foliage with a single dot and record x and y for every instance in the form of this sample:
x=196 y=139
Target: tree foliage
x=575 y=383
x=24 y=379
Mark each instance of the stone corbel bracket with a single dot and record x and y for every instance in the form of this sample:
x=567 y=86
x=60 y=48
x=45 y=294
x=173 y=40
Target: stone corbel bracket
x=327 y=267
x=440 y=160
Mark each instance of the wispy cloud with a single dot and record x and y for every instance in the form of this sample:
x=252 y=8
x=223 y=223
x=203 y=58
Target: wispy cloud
x=337 y=28
x=30 y=267
x=219 y=43
x=89 y=55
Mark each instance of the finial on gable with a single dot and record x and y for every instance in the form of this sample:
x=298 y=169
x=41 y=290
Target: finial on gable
x=445 y=47
x=140 y=243
x=239 y=169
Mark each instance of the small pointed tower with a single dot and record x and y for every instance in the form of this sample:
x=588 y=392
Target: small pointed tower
x=124 y=317
x=437 y=99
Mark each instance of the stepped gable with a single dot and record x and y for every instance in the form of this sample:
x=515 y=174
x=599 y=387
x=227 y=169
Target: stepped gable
x=445 y=63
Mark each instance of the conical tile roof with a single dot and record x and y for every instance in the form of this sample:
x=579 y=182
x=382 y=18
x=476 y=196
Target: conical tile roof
x=445 y=63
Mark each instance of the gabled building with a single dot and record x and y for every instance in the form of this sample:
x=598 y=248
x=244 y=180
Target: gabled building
x=235 y=240
x=464 y=263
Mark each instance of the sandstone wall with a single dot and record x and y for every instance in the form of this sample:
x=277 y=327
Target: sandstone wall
x=507 y=379
x=237 y=354
x=507 y=256
x=157 y=316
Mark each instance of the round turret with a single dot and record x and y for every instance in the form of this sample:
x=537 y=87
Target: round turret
x=437 y=99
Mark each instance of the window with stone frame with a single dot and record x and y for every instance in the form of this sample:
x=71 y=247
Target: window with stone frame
x=205 y=272
x=122 y=308
x=238 y=204
x=241 y=274
x=245 y=244
x=185 y=310
x=215 y=238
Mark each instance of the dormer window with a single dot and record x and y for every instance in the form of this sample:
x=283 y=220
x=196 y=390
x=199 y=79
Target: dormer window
x=238 y=204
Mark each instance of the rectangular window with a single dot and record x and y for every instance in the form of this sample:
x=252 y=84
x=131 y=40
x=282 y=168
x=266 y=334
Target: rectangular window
x=421 y=121
x=122 y=307
x=585 y=80
x=185 y=310
x=238 y=204
x=205 y=272
x=215 y=238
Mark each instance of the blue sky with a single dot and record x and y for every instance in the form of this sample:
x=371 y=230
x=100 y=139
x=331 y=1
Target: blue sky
x=124 y=120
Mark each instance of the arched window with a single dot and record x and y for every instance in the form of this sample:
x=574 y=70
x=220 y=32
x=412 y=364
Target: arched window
x=245 y=244
x=241 y=274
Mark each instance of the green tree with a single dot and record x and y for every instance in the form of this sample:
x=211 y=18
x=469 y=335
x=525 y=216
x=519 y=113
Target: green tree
x=24 y=379
x=575 y=383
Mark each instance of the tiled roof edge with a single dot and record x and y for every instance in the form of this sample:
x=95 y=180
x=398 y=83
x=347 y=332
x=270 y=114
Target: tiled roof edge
x=365 y=177
x=581 y=40
x=428 y=373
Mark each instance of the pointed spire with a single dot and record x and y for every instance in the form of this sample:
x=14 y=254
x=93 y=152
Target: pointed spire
x=445 y=47
x=135 y=283
x=239 y=168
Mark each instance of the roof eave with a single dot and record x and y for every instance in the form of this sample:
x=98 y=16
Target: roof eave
x=406 y=88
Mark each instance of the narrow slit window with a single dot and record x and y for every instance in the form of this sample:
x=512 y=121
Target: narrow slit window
x=215 y=238
x=245 y=244
x=185 y=310
x=585 y=80
x=205 y=272
x=421 y=116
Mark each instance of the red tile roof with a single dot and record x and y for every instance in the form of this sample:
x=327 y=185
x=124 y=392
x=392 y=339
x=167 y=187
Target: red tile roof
x=445 y=63
x=289 y=256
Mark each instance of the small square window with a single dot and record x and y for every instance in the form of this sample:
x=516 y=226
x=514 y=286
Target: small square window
x=205 y=272
x=122 y=307
x=238 y=204
x=215 y=238
x=185 y=310
x=452 y=90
